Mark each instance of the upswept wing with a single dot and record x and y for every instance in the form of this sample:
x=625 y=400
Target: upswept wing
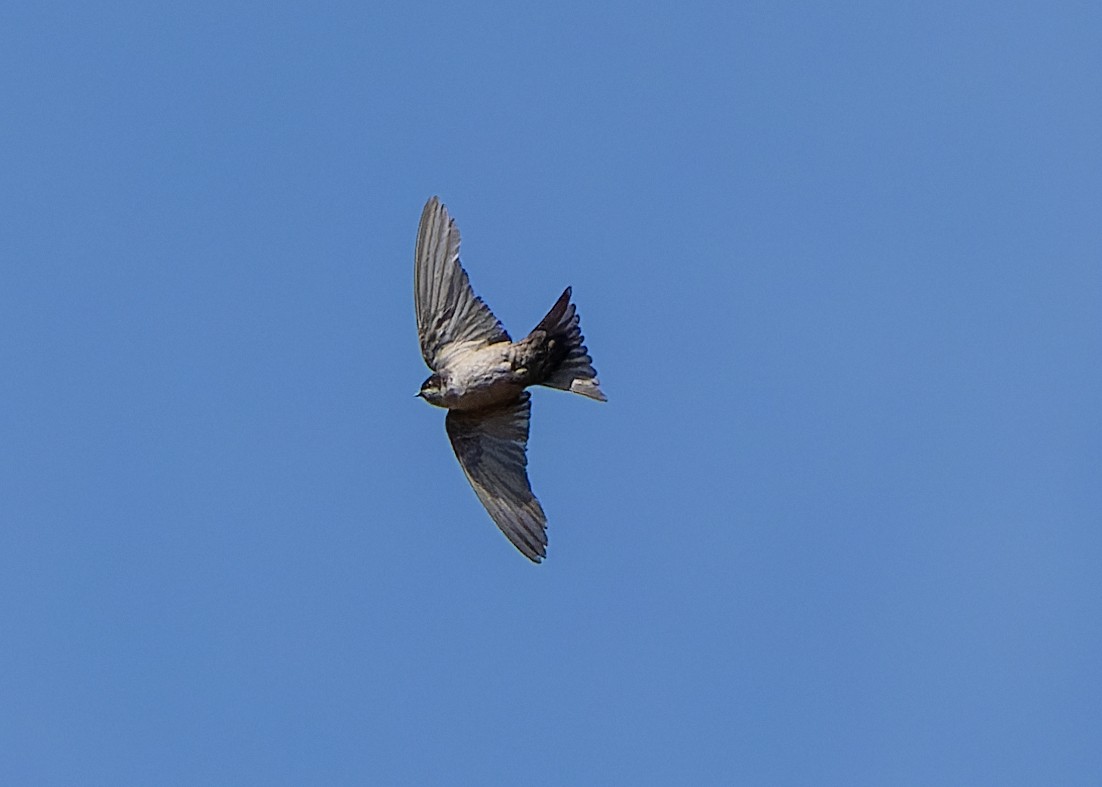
x=449 y=314
x=490 y=445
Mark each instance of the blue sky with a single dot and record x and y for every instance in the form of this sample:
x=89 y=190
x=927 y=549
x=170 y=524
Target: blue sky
x=838 y=268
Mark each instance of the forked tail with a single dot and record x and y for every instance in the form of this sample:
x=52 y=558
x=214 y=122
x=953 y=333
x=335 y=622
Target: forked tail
x=575 y=372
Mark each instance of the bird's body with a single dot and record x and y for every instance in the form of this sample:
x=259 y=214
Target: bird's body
x=480 y=376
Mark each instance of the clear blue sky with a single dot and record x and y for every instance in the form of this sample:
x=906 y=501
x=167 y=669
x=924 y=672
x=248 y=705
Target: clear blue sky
x=840 y=270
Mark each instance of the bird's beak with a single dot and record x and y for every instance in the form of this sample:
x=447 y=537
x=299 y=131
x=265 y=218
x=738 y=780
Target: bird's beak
x=419 y=395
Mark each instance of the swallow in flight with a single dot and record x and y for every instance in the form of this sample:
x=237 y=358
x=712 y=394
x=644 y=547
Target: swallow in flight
x=479 y=374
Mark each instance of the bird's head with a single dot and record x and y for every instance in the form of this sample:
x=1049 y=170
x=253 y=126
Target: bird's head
x=432 y=390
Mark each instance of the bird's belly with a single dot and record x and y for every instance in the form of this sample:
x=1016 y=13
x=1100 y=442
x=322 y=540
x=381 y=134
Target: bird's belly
x=482 y=385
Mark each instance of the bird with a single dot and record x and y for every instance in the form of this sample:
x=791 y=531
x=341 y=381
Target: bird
x=480 y=375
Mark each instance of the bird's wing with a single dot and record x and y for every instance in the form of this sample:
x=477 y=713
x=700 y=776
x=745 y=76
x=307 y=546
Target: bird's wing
x=490 y=445
x=449 y=314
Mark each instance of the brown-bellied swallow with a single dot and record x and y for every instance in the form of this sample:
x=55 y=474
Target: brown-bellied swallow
x=479 y=374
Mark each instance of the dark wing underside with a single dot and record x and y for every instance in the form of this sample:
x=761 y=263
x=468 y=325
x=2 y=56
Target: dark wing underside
x=490 y=445
x=449 y=314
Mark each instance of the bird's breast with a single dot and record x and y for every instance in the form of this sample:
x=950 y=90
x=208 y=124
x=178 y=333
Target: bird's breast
x=482 y=378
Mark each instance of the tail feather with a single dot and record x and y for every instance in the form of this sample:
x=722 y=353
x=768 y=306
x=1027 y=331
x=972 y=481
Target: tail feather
x=575 y=372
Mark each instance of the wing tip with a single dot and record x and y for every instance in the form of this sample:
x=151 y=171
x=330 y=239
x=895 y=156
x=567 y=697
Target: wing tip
x=534 y=556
